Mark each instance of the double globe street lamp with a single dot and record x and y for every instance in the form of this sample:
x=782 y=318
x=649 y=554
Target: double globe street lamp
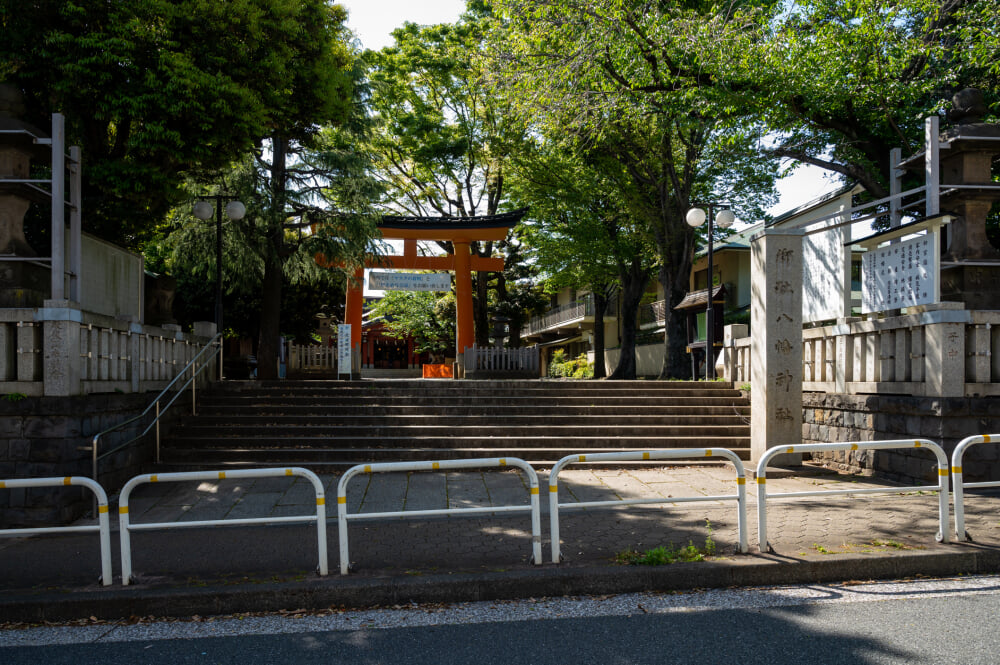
x=235 y=210
x=724 y=219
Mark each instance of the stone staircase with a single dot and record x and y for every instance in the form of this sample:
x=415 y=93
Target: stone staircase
x=325 y=425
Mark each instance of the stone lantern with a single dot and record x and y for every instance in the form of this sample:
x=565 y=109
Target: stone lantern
x=970 y=265
x=22 y=283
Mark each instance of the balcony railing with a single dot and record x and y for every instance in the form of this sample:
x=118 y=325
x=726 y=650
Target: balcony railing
x=577 y=309
x=652 y=315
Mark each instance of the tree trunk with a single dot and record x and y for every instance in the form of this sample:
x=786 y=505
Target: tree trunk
x=480 y=309
x=676 y=361
x=600 y=308
x=633 y=280
x=270 y=319
x=270 y=310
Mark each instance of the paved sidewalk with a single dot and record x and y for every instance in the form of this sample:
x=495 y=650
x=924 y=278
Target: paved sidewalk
x=807 y=534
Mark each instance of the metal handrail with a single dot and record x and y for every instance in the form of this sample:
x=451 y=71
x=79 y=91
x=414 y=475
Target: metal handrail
x=95 y=457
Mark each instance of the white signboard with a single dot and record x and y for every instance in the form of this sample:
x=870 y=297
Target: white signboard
x=823 y=274
x=409 y=281
x=899 y=275
x=344 y=348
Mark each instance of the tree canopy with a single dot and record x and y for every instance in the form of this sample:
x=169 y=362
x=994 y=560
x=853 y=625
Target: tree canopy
x=156 y=89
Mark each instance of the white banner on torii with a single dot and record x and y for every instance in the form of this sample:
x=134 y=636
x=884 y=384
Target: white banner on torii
x=409 y=281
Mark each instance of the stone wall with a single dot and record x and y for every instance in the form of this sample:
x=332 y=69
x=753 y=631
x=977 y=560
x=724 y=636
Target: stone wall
x=838 y=417
x=43 y=437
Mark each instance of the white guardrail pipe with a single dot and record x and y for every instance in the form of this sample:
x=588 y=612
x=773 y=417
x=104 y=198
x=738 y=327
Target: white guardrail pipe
x=103 y=526
x=126 y=527
x=681 y=453
x=958 y=484
x=443 y=465
x=941 y=487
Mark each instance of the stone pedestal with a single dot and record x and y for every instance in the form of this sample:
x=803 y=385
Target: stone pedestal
x=776 y=353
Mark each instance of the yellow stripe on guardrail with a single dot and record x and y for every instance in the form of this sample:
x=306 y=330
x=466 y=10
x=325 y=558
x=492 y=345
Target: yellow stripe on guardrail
x=222 y=475
x=67 y=481
x=916 y=444
x=741 y=481
x=154 y=479
x=123 y=510
x=288 y=472
x=102 y=509
x=2 y=484
x=708 y=453
x=553 y=488
x=645 y=456
x=503 y=462
x=956 y=469
x=942 y=472
x=583 y=458
x=435 y=465
x=854 y=446
x=534 y=490
x=320 y=501
x=791 y=449
x=368 y=468
x=761 y=480
x=341 y=499
x=986 y=438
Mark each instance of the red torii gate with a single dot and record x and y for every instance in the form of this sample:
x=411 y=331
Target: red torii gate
x=461 y=231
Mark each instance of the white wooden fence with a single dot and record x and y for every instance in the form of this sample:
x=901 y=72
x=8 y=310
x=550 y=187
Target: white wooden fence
x=312 y=357
x=522 y=362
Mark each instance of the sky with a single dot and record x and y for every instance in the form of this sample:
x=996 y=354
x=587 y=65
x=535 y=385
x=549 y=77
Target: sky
x=374 y=20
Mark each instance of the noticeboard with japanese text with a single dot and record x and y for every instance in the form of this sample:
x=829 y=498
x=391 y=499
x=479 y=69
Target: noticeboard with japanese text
x=344 y=348
x=899 y=275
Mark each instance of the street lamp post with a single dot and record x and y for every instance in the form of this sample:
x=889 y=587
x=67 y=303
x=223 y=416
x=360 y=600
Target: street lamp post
x=724 y=219
x=235 y=210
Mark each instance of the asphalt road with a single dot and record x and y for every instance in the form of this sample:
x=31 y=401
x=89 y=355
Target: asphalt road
x=912 y=623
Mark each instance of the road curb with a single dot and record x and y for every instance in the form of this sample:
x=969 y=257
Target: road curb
x=368 y=591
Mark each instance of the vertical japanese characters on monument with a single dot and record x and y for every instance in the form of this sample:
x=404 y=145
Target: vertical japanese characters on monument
x=776 y=330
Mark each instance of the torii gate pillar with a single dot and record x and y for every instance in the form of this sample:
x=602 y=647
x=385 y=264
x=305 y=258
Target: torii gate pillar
x=465 y=335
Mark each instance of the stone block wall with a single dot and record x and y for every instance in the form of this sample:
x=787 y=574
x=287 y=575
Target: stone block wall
x=43 y=437
x=831 y=418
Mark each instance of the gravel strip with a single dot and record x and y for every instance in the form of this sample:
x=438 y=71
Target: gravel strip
x=493 y=611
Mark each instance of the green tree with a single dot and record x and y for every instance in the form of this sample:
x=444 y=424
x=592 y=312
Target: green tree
x=442 y=138
x=581 y=235
x=155 y=89
x=427 y=317
x=665 y=148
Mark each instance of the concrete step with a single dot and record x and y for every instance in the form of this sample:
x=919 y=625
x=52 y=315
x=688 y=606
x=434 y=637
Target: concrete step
x=579 y=443
x=559 y=385
x=487 y=419
x=458 y=401
x=193 y=459
x=305 y=410
x=331 y=423
x=622 y=428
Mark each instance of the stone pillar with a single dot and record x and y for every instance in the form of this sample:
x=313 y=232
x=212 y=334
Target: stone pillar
x=776 y=330
x=844 y=361
x=944 y=348
x=730 y=334
x=61 y=370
